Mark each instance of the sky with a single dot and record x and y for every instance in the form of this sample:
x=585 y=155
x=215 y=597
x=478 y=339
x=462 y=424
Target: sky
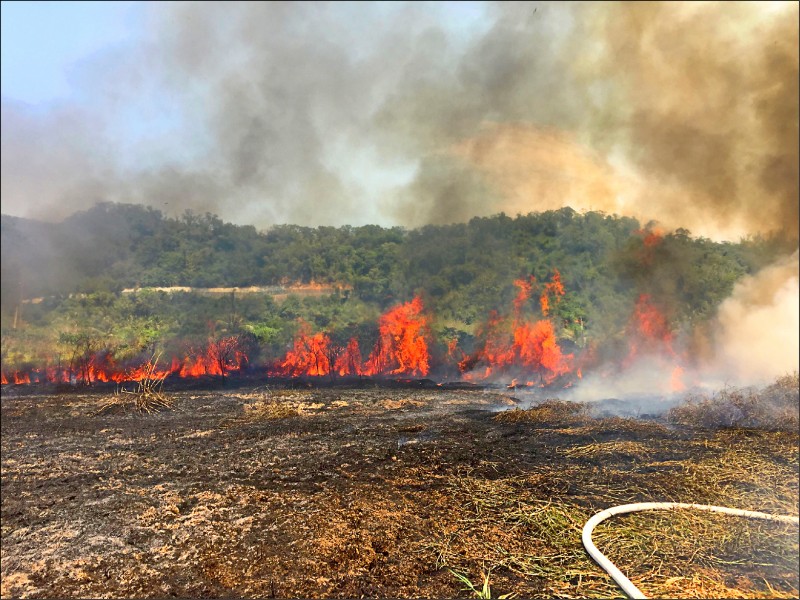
x=43 y=41
x=404 y=113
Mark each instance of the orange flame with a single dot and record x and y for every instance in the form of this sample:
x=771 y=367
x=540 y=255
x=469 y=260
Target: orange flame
x=402 y=347
x=308 y=356
x=649 y=333
x=555 y=289
x=649 y=330
x=525 y=289
x=349 y=362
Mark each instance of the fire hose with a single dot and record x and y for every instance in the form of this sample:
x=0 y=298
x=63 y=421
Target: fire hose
x=627 y=586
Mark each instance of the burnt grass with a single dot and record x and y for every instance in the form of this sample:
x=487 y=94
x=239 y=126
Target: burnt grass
x=378 y=492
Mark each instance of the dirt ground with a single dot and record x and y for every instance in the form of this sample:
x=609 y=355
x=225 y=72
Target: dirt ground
x=378 y=492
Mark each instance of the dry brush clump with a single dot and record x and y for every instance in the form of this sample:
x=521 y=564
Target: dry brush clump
x=263 y=409
x=550 y=412
x=773 y=408
x=147 y=397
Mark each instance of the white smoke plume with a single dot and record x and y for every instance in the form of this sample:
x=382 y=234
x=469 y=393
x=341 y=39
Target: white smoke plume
x=757 y=329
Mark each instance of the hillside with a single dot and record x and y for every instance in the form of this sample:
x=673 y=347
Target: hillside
x=461 y=272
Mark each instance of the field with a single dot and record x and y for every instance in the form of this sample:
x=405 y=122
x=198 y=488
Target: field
x=380 y=492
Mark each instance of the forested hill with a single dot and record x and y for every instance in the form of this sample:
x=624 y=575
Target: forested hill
x=462 y=270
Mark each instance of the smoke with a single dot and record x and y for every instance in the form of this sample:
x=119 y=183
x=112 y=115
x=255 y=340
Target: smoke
x=757 y=327
x=682 y=112
x=403 y=114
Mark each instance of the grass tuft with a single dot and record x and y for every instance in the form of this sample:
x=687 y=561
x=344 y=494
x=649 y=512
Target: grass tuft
x=550 y=412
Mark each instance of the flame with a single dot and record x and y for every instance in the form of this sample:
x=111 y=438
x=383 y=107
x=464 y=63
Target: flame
x=402 y=348
x=349 y=362
x=220 y=357
x=525 y=289
x=308 y=356
x=650 y=334
x=649 y=330
x=223 y=354
x=555 y=289
x=676 y=381
x=651 y=237
x=517 y=344
x=537 y=349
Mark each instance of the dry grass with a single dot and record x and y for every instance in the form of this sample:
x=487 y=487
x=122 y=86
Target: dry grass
x=772 y=408
x=147 y=397
x=703 y=555
x=269 y=409
x=527 y=530
x=634 y=449
x=549 y=412
x=675 y=554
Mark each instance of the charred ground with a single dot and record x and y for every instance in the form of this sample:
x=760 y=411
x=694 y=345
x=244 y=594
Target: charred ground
x=378 y=492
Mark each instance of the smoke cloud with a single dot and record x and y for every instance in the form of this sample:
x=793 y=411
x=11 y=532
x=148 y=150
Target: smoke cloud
x=757 y=327
x=335 y=113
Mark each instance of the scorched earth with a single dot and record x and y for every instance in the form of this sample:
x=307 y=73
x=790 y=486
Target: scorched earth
x=379 y=492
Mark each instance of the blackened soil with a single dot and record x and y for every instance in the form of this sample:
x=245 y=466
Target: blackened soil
x=351 y=494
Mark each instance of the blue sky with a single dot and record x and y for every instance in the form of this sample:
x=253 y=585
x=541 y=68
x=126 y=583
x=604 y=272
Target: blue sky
x=43 y=41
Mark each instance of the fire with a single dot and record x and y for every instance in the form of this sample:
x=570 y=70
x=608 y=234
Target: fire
x=308 y=356
x=515 y=344
x=512 y=345
x=650 y=334
x=525 y=289
x=349 y=362
x=538 y=350
x=676 y=381
x=402 y=348
x=554 y=289
x=219 y=357
x=649 y=331
x=530 y=347
x=651 y=237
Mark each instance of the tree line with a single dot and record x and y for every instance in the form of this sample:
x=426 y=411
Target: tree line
x=462 y=271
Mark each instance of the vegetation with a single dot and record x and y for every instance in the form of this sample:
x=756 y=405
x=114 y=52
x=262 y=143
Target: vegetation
x=79 y=267
x=148 y=395
x=774 y=407
x=528 y=527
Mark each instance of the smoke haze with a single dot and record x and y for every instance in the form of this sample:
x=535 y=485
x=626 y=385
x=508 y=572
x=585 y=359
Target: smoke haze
x=336 y=113
x=757 y=327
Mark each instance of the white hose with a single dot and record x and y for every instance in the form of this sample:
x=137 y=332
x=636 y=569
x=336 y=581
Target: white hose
x=631 y=590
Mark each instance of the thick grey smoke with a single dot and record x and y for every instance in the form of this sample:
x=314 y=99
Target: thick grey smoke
x=348 y=113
